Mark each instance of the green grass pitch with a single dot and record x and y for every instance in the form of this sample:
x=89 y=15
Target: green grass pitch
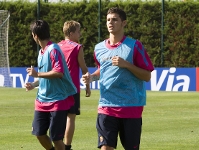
x=170 y=121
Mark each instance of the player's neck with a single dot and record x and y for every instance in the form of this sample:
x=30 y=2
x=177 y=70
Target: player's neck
x=43 y=44
x=114 y=39
x=70 y=39
x=67 y=38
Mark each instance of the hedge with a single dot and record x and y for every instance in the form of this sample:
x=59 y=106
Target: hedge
x=181 y=29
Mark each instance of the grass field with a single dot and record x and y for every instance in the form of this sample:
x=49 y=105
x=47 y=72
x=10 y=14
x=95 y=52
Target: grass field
x=170 y=121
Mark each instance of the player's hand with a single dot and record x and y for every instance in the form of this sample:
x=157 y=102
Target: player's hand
x=118 y=61
x=88 y=91
x=29 y=86
x=32 y=72
x=86 y=78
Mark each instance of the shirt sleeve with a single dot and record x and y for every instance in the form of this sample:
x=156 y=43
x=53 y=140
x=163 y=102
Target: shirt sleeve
x=56 y=59
x=96 y=61
x=141 y=58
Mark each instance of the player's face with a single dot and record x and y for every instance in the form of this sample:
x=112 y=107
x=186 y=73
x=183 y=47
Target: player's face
x=114 y=23
x=76 y=35
x=35 y=37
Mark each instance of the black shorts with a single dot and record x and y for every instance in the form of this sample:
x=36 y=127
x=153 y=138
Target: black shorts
x=129 y=130
x=54 y=121
x=75 y=109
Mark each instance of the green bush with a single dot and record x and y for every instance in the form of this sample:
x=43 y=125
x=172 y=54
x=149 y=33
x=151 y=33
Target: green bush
x=181 y=31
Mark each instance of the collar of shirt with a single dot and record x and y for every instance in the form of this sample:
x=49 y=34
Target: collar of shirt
x=43 y=51
x=114 y=45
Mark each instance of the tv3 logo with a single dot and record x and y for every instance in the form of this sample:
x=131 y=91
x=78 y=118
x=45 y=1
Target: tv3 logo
x=173 y=83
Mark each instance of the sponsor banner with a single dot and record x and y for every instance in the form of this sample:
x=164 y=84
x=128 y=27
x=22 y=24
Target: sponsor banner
x=162 y=79
x=172 y=79
x=197 y=79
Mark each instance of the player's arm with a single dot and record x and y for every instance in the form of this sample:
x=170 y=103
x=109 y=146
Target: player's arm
x=29 y=86
x=84 y=69
x=57 y=67
x=81 y=61
x=140 y=73
x=142 y=65
x=88 y=78
x=35 y=83
x=50 y=75
x=95 y=76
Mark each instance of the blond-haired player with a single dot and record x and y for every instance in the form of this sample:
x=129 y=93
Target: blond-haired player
x=74 y=56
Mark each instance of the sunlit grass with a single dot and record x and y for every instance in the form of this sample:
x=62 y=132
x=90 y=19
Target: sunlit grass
x=170 y=121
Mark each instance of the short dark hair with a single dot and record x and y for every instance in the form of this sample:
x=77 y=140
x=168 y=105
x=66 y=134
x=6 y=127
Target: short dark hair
x=41 y=29
x=118 y=11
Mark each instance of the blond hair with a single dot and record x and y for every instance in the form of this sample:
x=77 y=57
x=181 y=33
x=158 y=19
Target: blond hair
x=70 y=26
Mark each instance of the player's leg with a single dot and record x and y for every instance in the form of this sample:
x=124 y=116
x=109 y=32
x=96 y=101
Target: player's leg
x=40 y=127
x=70 y=129
x=70 y=123
x=107 y=128
x=45 y=142
x=57 y=128
x=130 y=133
x=59 y=145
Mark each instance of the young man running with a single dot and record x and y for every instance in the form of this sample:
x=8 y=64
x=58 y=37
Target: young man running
x=74 y=56
x=123 y=68
x=55 y=88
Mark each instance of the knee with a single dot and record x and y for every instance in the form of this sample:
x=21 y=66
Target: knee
x=39 y=137
x=71 y=117
x=58 y=142
x=42 y=138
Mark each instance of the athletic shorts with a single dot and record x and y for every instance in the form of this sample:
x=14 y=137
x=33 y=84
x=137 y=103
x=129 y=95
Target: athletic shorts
x=54 y=121
x=75 y=109
x=128 y=129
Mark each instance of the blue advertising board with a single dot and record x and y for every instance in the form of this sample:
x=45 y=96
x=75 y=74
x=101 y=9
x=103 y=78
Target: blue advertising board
x=162 y=79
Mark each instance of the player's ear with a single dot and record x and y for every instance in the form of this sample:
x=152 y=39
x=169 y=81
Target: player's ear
x=34 y=35
x=124 y=23
x=71 y=33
